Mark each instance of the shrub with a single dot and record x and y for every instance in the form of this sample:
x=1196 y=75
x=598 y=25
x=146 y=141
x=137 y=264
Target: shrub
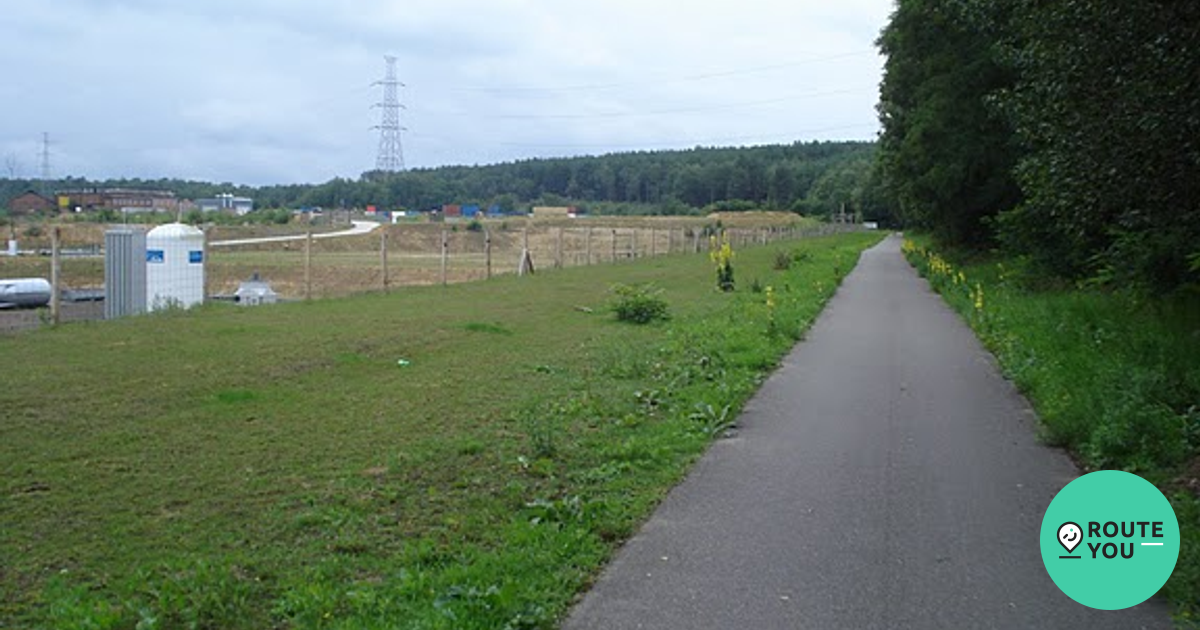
x=639 y=303
x=783 y=261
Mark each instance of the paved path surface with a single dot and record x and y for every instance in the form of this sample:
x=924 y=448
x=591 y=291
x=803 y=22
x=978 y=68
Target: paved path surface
x=885 y=477
x=358 y=228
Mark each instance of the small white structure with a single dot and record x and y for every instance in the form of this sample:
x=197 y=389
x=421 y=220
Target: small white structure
x=174 y=267
x=255 y=292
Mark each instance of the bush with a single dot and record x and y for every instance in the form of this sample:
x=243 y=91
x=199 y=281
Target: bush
x=783 y=261
x=639 y=303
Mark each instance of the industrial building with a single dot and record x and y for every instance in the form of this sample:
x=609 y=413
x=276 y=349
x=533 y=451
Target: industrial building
x=122 y=199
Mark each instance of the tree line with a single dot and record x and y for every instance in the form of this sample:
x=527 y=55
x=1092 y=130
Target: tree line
x=1067 y=133
x=814 y=178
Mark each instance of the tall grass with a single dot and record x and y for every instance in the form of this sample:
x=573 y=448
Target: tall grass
x=1115 y=378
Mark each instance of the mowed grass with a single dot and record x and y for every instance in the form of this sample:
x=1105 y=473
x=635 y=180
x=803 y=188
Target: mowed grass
x=1115 y=379
x=459 y=457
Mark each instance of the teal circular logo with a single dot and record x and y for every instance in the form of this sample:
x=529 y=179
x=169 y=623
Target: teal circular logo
x=1110 y=540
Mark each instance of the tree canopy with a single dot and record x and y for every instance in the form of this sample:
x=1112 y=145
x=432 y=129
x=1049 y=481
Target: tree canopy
x=778 y=177
x=1074 y=125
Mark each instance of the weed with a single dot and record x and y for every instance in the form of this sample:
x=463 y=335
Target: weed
x=721 y=254
x=710 y=420
x=782 y=262
x=541 y=427
x=639 y=304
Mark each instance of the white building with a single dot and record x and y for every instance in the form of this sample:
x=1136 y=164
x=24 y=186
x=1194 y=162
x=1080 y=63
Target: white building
x=226 y=202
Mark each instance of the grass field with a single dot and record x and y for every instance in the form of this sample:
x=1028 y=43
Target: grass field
x=1114 y=377
x=459 y=457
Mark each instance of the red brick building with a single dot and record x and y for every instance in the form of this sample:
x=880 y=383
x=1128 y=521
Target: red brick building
x=30 y=202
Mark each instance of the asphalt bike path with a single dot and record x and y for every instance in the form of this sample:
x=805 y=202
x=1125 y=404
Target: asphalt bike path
x=886 y=476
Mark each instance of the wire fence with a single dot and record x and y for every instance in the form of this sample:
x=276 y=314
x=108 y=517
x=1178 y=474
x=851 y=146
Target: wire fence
x=297 y=264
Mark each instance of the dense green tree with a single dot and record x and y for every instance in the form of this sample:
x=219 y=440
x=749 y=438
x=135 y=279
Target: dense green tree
x=1108 y=106
x=947 y=157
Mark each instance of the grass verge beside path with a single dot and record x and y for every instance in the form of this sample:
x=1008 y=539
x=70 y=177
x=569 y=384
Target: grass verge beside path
x=461 y=457
x=1114 y=380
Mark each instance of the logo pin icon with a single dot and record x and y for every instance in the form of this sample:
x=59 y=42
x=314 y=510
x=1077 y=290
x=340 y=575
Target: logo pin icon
x=1069 y=536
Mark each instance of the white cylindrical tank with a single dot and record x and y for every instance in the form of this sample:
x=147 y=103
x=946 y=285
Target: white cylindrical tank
x=174 y=267
x=24 y=292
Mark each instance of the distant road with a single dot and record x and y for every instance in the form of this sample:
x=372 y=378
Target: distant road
x=360 y=228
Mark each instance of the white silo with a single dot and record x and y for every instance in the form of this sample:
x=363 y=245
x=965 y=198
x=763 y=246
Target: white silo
x=174 y=267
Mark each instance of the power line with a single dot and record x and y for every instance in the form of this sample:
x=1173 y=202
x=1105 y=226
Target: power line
x=660 y=112
x=684 y=79
x=391 y=153
x=682 y=142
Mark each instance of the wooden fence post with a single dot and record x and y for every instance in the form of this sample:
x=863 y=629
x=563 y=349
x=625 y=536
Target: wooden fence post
x=614 y=245
x=526 y=264
x=587 y=239
x=633 y=249
x=558 y=249
x=308 y=243
x=445 y=254
x=383 y=257
x=487 y=252
x=653 y=242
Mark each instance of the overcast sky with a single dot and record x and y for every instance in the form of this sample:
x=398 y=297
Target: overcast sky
x=280 y=91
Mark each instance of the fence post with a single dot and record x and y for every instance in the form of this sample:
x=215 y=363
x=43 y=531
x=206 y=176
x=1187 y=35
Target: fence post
x=695 y=241
x=487 y=252
x=587 y=240
x=558 y=249
x=653 y=242
x=445 y=253
x=526 y=264
x=308 y=243
x=614 y=245
x=383 y=257
x=55 y=275
x=633 y=249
